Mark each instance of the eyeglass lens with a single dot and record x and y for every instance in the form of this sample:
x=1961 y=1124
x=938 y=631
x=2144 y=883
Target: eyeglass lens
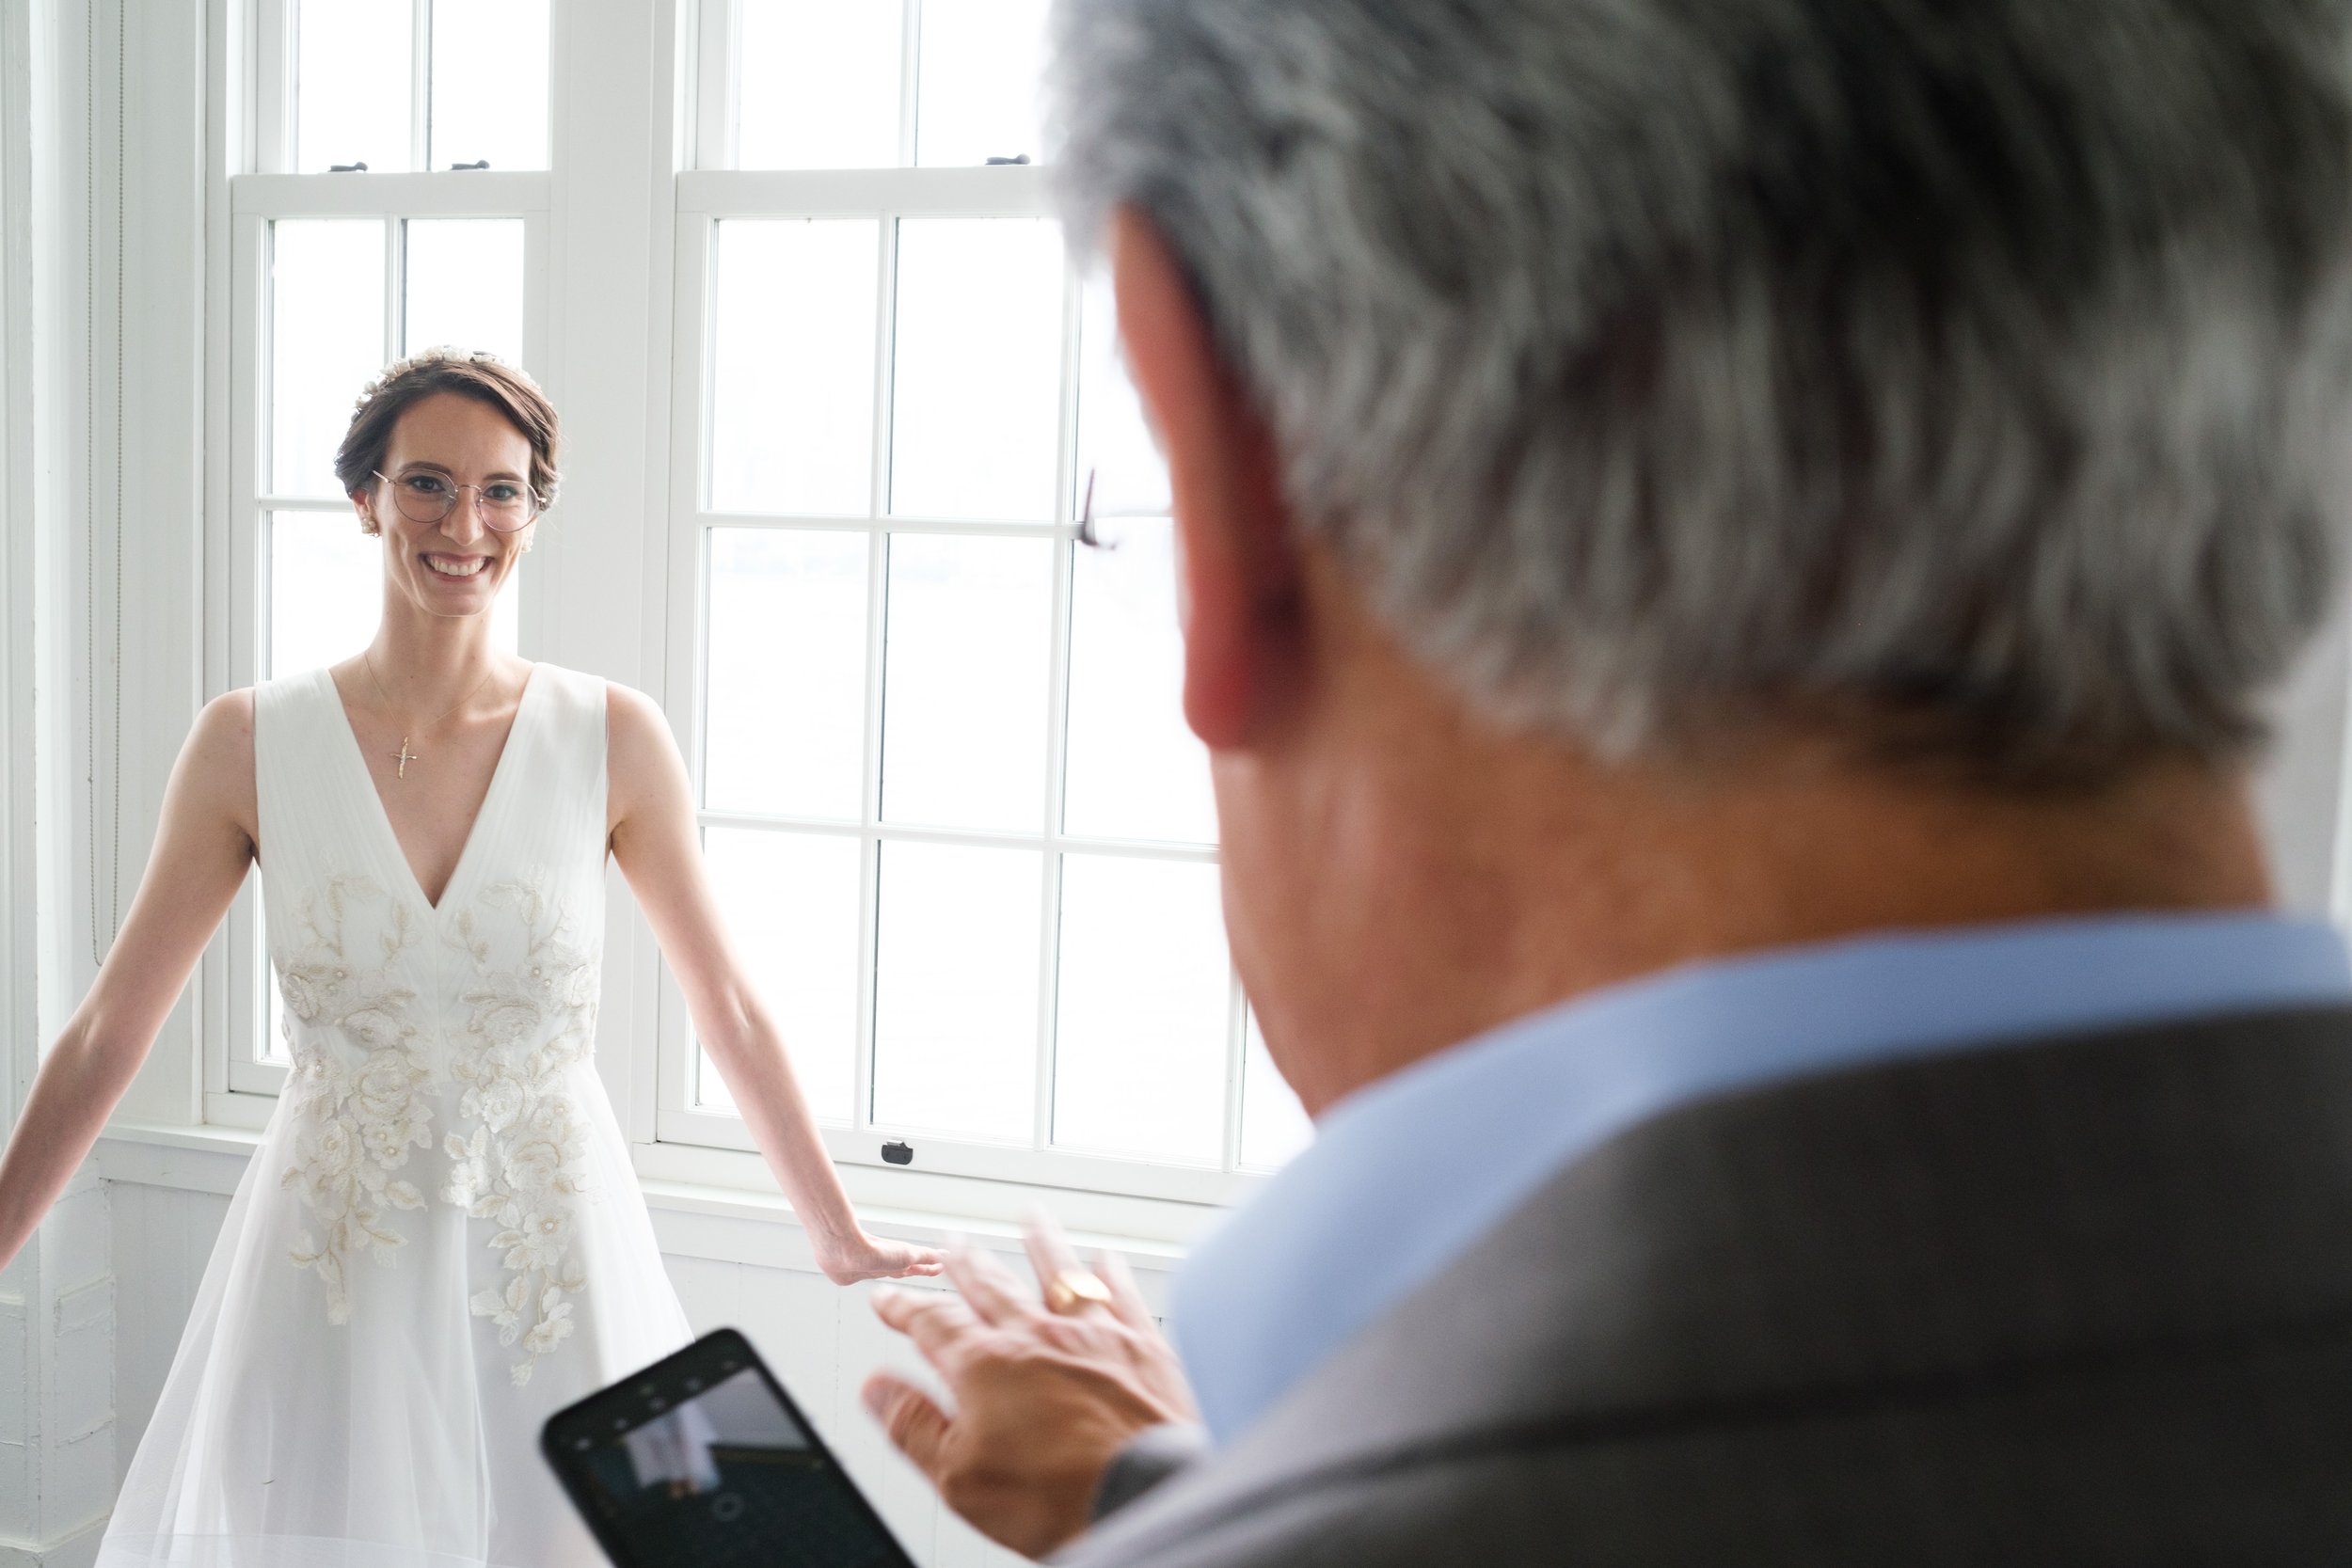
x=428 y=498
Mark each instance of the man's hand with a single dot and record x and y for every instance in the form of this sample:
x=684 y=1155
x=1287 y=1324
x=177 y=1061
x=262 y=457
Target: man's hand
x=1045 y=1400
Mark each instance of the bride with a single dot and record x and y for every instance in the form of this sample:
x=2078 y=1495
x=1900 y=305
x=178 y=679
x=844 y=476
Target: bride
x=439 y=1241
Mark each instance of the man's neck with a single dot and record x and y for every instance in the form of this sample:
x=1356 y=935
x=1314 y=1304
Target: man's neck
x=1518 y=877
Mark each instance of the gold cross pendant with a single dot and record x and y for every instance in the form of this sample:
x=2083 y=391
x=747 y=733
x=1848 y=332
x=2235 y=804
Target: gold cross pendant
x=407 y=757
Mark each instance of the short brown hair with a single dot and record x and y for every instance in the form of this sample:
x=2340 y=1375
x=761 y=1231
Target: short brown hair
x=470 y=373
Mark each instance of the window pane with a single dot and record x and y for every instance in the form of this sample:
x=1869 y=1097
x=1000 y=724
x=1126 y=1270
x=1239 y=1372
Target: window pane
x=273 y=1046
x=326 y=593
x=490 y=83
x=964 y=682
x=326 y=590
x=816 y=83
x=352 y=83
x=327 y=342
x=982 y=67
x=792 y=377
x=1135 y=771
x=978 y=393
x=790 y=903
x=465 y=285
x=955 y=1003
x=1146 y=993
x=1274 y=1126
x=786 y=674
x=1115 y=443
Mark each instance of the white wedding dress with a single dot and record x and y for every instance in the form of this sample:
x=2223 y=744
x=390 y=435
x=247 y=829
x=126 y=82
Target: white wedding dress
x=440 y=1240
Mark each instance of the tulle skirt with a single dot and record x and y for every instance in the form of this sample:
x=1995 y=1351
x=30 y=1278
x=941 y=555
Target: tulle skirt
x=400 y=1437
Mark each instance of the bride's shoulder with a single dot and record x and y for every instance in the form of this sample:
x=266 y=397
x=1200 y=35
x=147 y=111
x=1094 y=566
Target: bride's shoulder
x=642 y=767
x=216 y=763
x=631 y=718
x=227 y=720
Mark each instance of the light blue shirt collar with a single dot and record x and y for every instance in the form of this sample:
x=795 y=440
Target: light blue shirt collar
x=1409 y=1171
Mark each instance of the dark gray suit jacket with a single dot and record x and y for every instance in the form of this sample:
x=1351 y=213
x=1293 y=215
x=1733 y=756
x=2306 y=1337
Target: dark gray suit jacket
x=2083 y=1302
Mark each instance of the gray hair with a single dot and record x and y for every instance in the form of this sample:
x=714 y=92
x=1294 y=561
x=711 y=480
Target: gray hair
x=1972 y=371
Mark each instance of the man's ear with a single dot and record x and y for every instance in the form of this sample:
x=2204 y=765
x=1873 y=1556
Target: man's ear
x=1238 y=575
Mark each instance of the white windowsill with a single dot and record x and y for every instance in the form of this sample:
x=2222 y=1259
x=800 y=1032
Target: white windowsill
x=726 y=1222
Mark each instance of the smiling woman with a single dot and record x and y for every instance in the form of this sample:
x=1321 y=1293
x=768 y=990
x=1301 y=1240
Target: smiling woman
x=439 y=1240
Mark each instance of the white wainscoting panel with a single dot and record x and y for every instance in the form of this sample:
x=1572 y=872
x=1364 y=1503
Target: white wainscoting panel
x=162 y=1237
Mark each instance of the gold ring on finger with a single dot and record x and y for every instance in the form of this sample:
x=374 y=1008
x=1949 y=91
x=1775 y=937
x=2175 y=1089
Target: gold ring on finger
x=1069 y=1289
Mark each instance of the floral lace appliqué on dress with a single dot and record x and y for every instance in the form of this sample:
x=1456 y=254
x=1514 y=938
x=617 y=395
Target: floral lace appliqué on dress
x=517 y=1149
x=355 y=1126
x=529 y=1023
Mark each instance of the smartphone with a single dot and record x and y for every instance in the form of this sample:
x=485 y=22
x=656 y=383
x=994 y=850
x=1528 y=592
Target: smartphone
x=703 y=1461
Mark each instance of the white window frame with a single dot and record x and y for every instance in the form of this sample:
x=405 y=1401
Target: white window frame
x=241 y=1087
x=645 y=1053
x=706 y=196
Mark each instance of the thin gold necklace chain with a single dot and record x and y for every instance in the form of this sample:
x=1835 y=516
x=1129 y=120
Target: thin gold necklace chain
x=424 y=728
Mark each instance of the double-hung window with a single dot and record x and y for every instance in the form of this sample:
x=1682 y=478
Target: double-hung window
x=958 y=827
x=396 y=199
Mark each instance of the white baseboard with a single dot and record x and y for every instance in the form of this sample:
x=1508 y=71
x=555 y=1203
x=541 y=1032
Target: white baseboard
x=77 y=1549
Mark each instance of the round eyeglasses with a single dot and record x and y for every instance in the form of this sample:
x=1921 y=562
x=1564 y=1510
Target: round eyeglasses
x=426 y=497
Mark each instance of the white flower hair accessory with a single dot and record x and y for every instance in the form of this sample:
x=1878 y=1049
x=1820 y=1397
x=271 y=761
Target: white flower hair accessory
x=440 y=354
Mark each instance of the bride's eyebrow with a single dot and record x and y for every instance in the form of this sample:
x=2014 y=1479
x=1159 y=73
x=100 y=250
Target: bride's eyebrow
x=445 y=469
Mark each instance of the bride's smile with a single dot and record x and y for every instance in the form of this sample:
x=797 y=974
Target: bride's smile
x=456 y=504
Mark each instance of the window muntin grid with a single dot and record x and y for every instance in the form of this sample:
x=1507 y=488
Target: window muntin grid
x=1034 y=958
x=335 y=275
x=831 y=965
x=876 y=84
x=417 y=280
x=395 y=86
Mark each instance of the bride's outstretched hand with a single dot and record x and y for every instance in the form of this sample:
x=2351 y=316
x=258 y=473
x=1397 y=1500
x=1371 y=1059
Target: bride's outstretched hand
x=864 y=1257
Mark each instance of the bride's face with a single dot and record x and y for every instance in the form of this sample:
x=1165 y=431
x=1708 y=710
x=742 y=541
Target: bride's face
x=447 y=444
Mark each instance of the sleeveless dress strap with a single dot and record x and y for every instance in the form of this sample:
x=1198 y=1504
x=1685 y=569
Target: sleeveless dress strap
x=561 y=770
x=301 y=804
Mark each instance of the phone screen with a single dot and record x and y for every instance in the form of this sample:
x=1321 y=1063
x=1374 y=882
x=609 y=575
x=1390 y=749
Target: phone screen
x=701 y=1461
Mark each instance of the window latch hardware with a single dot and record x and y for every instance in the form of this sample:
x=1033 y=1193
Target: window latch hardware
x=1088 y=535
x=484 y=164
x=898 y=1153
x=346 y=169
x=1006 y=163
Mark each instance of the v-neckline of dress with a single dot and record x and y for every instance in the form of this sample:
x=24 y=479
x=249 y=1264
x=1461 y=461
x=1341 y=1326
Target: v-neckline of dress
x=390 y=837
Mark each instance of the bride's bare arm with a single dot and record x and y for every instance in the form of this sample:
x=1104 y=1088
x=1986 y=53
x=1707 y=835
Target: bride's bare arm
x=659 y=851
x=202 y=849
